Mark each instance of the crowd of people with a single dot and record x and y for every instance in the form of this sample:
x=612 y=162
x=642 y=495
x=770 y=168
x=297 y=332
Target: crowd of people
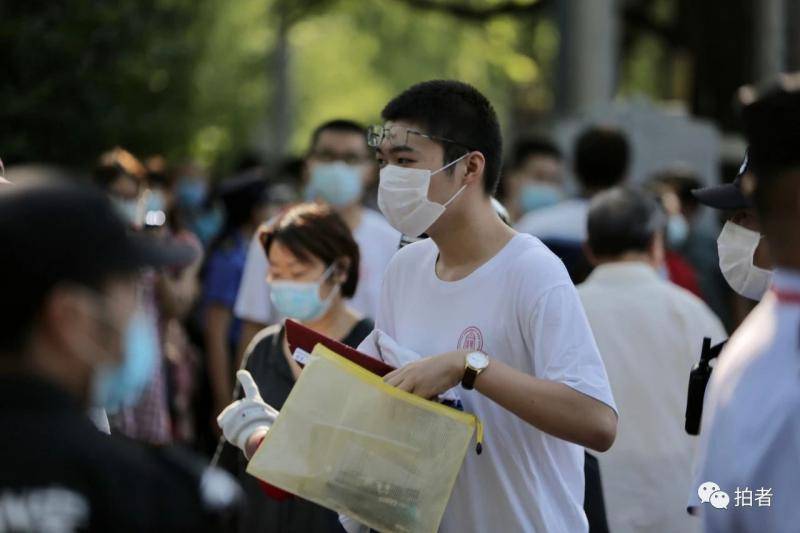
x=144 y=303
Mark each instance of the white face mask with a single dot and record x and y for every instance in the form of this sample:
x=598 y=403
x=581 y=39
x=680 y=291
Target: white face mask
x=736 y=245
x=403 y=198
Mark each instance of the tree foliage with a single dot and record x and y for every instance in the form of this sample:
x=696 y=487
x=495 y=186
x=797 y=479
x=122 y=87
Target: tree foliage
x=197 y=78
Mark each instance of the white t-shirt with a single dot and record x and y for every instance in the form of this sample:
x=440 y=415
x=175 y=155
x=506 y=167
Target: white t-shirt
x=750 y=436
x=520 y=307
x=650 y=333
x=566 y=220
x=377 y=243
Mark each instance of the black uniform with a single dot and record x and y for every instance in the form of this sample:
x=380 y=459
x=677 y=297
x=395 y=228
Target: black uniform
x=59 y=473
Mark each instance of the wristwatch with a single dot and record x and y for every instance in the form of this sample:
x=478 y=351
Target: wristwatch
x=476 y=362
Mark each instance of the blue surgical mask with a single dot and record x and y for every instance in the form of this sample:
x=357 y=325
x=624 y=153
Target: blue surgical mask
x=191 y=194
x=338 y=184
x=121 y=384
x=156 y=200
x=301 y=300
x=127 y=209
x=677 y=230
x=535 y=196
x=207 y=225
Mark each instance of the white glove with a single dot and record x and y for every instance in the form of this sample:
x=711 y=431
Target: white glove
x=244 y=417
x=351 y=525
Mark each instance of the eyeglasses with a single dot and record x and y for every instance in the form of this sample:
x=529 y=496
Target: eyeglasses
x=398 y=136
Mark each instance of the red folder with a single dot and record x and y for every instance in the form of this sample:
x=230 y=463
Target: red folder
x=300 y=336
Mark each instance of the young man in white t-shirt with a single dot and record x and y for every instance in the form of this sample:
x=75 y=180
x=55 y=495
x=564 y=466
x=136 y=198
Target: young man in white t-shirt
x=491 y=309
x=485 y=307
x=338 y=168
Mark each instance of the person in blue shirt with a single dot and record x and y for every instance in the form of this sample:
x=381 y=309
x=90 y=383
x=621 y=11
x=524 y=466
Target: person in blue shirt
x=245 y=202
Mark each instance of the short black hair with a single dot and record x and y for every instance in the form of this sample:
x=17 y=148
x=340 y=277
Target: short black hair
x=457 y=111
x=339 y=124
x=316 y=230
x=623 y=219
x=601 y=157
x=527 y=147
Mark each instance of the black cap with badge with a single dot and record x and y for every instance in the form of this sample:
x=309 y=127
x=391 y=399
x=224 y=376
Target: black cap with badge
x=728 y=196
x=55 y=231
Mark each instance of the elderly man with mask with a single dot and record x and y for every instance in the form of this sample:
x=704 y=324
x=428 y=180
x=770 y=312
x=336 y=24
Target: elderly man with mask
x=74 y=335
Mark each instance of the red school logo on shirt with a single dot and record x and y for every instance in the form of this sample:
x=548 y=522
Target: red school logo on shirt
x=471 y=339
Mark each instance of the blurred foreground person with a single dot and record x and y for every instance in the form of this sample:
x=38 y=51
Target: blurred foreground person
x=749 y=461
x=75 y=334
x=649 y=332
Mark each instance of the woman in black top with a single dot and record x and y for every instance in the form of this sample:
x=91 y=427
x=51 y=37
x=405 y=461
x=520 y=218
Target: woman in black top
x=313 y=269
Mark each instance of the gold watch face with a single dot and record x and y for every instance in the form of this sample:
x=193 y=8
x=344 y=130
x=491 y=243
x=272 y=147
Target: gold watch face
x=477 y=360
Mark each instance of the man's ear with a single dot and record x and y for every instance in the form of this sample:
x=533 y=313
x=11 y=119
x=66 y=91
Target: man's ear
x=63 y=316
x=474 y=164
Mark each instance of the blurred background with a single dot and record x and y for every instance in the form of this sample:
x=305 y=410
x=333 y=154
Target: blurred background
x=213 y=81
x=195 y=117
x=203 y=119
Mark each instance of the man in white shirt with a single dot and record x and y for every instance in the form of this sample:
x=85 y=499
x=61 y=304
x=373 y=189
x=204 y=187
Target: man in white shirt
x=649 y=332
x=601 y=162
x=751 y=425
x=338 y=168
x=491 y=309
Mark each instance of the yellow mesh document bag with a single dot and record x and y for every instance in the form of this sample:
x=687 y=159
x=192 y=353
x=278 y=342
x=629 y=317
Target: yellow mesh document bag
x=347 y=441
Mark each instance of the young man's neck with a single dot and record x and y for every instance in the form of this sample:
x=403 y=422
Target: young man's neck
x=472 y=238
x=351 y=214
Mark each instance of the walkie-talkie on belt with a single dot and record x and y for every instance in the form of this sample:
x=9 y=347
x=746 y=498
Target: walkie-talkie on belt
x=698 y=380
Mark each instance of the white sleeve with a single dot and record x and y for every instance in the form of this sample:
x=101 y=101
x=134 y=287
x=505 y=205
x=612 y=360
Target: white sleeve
x=252 y=301
x=564 y=349
x=369 y=345
x=384 y=320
